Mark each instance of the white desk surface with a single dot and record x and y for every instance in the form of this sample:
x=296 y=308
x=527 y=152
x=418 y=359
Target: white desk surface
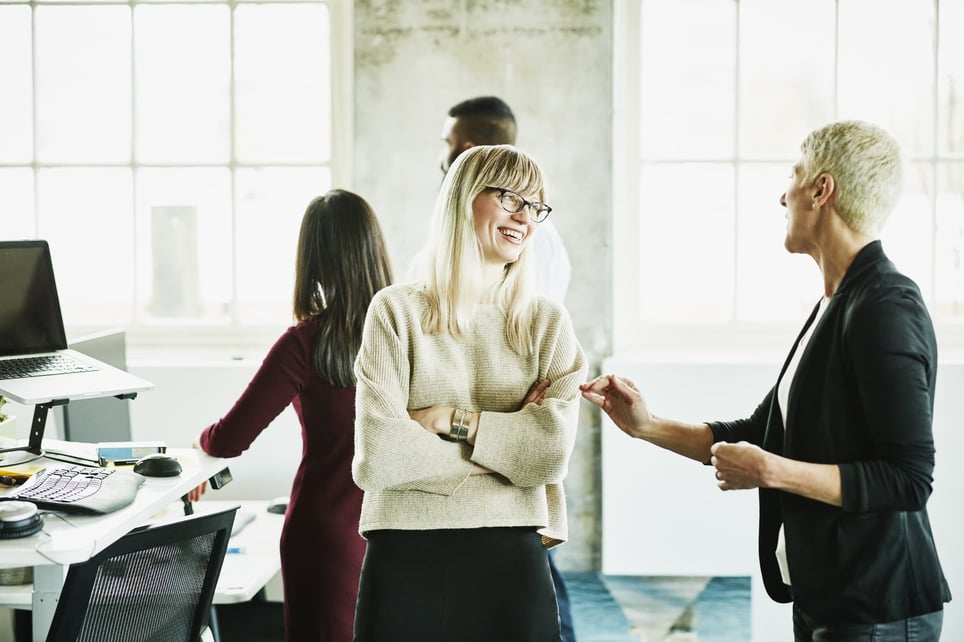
x=254 y=552
x=243 y=573
x=67 y=539
x=258 y=556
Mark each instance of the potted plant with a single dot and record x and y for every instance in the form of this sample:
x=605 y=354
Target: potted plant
x=8 y=423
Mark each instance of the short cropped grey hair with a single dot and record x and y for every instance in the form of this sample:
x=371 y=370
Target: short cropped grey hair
x=866 y=165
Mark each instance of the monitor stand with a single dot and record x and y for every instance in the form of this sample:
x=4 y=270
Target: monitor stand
x=39 y=425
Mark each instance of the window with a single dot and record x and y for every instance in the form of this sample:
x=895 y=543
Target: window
x=714 y=98
x=167 y=152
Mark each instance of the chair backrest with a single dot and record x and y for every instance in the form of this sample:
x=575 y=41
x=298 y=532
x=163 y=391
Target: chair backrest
x=152 y=585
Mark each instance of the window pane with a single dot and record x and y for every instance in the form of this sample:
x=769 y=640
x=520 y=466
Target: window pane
x=270 y=205
x=16 y=119
x=181 y=212
x=772 y=285
x=183 y=92
x=83 y=84
x=950 y=123
x=686 y=243
x=17 y=204
x=949 y=285
x=799 y=64
x=887 y=81
x=283 y=112
x=786 y=74
x=688 y=64
x=86 y=215
x=908 y=236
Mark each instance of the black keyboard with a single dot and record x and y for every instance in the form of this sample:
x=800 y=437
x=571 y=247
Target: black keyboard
x=48 y=364
x=80 y=489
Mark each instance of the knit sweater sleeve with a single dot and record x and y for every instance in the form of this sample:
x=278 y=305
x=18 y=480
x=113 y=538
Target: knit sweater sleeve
x=393 y=451
x=531 y=446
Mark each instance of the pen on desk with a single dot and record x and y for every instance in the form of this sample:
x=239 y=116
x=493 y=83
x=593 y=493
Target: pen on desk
x=12 y=477
x=237 y=549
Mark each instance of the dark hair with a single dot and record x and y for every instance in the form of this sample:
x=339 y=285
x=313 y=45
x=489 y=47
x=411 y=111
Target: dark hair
x=488 y=120
x=342 y=262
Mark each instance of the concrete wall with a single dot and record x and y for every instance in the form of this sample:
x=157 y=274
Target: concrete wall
x=552 y=62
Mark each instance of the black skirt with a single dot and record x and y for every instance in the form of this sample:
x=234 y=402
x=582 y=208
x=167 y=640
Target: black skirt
x=456 y=585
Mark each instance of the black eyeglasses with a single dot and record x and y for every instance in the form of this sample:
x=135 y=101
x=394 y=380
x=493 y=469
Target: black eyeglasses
x=513 y=203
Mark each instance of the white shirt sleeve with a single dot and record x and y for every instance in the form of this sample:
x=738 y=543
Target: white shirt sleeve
x=552 y=263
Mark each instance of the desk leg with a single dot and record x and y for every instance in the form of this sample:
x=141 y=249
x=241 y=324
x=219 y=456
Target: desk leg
x=48 y=580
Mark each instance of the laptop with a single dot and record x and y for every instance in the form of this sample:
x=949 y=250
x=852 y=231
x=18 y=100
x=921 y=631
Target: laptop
x=32 y=330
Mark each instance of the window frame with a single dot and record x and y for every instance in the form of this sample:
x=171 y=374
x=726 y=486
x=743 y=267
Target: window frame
x=248 y=341
x=718 y=341
x=200 y=337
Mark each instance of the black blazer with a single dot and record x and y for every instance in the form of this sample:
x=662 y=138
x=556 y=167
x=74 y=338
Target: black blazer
x=862 y=398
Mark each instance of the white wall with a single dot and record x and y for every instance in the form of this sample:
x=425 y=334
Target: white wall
x=663 y=515
x=188 y=397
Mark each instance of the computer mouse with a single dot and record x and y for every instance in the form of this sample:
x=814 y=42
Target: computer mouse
x=278 y=505
x=158 y=465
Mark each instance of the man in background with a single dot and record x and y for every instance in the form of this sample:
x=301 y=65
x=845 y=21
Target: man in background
x=488 y=120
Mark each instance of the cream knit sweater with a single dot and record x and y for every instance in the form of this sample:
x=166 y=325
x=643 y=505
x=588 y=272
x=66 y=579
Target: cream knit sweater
x=412 y=479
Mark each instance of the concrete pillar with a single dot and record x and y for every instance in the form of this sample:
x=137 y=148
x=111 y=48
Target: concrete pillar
x=552 y=61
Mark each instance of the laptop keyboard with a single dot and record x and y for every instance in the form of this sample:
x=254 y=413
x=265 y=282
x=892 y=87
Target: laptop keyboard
x=50 y=364
x=81 y=489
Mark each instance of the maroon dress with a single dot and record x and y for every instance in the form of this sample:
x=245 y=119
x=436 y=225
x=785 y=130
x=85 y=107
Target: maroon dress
x=321 y=550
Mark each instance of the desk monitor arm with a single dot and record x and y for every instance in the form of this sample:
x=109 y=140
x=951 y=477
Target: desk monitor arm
x=39 y=425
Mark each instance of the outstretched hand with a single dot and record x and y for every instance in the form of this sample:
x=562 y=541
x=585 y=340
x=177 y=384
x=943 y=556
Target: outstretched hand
x=621 y=400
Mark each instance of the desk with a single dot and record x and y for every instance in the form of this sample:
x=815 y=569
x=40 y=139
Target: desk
x=254 y=553
x=245 y=573
x=67 y=539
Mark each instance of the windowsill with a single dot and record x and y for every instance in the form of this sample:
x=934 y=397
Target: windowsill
x=194 y=345
x=746 y=344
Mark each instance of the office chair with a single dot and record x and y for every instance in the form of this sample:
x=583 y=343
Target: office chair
x=152 y=585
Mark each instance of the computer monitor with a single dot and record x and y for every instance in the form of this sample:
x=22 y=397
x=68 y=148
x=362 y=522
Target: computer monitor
x=105 y=418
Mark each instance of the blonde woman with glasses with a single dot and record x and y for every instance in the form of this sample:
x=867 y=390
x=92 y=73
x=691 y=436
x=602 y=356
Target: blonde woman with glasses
x=466 y=414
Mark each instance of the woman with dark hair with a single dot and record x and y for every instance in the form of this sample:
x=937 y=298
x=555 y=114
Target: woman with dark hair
x=341 y=263
x=468 y=396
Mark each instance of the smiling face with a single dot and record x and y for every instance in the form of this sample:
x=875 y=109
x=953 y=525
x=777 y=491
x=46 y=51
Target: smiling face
x=502 y=236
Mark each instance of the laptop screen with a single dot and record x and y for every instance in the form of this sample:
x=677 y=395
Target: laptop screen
x=30 y=320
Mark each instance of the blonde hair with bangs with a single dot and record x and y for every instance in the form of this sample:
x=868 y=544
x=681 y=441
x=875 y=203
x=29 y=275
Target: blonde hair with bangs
x=865 y=163
x=453 y=255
